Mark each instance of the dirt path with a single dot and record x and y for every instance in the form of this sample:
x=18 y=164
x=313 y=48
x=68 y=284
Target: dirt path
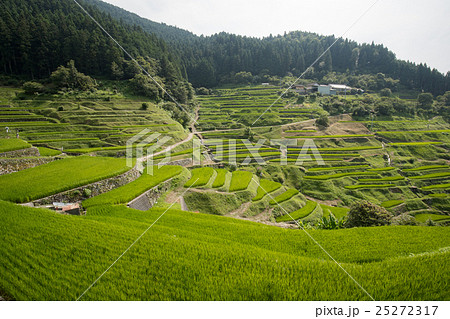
x=173 y=146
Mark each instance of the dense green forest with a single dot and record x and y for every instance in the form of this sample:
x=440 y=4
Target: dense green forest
x=213 y=59
x=38 y=36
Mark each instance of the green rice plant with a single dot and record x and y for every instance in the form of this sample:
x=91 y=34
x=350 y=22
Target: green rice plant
x=76 y=250
x=44 y=151
x=417 y=131
x=240 y=180
x=382 y=169
x=58 y=176
x=437 y=186
x=347 y=149
x=311 y=159
x=12 y=144
x=219 y=181
x=265 y=187
x=414 y=143
x=333 y=136
x=392 y=203
x=188 y=151
x=299 y=214
x=338 y=175
x=105 y=148
x=130 y=191
x=431 y=176
x=291 y=192
x=424 y=168
x=338 y=212
x=78 y=139
x=300 y=131
x=337 y=168
x=422 y=218
x=383 y=179
x=200 y=177
x=369 y=186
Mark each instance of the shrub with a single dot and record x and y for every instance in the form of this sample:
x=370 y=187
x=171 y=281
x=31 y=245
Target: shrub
x=365 y=214
x=87 y=192
x=144 y=106
x=404 y=220
x=386 y=92
x=32 y=88
x=331 y=222
x=323 y=121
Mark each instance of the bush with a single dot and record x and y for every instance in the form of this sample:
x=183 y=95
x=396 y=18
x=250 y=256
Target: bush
x=365 y=214
x=32 y=88
x=323 y=121
x=144 y=106
x=386 y=92
x=404 y=220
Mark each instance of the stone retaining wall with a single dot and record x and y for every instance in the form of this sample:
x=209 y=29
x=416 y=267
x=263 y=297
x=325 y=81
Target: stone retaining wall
x=149 y=198
x=80 y=193
x=11 y=165
x=26 y=152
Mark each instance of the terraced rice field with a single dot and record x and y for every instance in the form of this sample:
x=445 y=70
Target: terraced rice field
x=58 y=176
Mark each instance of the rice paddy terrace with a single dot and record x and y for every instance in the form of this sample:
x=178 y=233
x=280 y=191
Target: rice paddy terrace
x=218 y=236
x=81 y=125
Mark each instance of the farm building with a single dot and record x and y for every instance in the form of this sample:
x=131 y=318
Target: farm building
x=340 y=88
x=323 y=89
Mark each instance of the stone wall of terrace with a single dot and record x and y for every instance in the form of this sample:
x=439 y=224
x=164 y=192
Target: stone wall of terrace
x=11 y=165
x=83 y=192
x=26 y=152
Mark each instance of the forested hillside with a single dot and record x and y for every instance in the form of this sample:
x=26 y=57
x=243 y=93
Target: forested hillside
x=38 y=36
x=211 y=59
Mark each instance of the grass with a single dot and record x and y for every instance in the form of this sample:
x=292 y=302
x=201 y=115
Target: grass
x=12 y=144
x=338 y=175
x=284 y=197
x=58 y=176
x=265 y=187
x=424 y=168
x=219 y=181
x=368 y=186
x=130 y=191
x=44 y=151
x=422 y=218
x=200 y=177
x=437 y=186
x=338 y=212
x=431 y=176
x=240 y=180
x=229 y=259
x=303 y=212
x=392 y=203
x=300 y=131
